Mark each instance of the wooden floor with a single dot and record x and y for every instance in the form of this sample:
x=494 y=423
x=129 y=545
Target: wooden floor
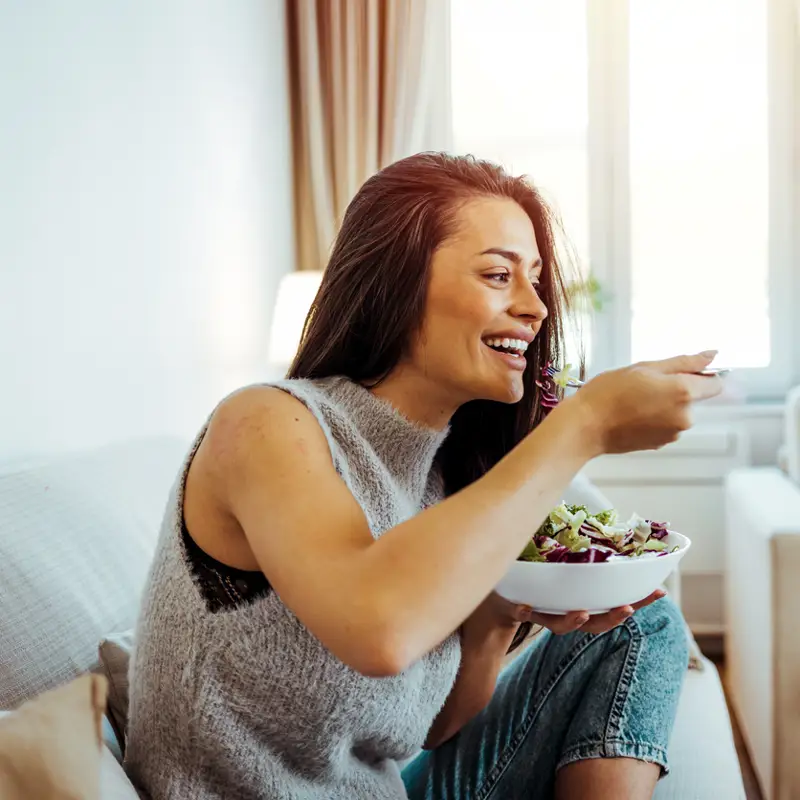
x=751 y=787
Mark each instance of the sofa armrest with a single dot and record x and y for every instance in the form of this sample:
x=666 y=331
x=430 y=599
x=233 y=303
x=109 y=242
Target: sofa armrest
x=791 y=434
x=766 y=499
x=762 y=609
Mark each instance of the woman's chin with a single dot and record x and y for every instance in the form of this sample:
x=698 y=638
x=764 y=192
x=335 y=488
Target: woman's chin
x=508 y=391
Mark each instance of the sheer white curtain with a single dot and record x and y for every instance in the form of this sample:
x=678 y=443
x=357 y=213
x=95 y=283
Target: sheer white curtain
x=368 y=79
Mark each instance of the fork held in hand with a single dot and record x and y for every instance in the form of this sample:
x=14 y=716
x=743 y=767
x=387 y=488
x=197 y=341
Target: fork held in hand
x=575 y=383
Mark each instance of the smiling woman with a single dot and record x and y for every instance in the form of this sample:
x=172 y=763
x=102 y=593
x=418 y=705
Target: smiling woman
x=490 y=293
x=321 y=605
x=480 y=252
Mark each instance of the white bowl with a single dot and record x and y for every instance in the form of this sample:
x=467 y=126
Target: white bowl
x=596 y=587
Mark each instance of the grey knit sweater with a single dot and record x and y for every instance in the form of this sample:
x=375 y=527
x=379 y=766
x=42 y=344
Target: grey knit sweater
x=246 y=702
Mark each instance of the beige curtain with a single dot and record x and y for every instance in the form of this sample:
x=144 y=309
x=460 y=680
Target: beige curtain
x=366 y=77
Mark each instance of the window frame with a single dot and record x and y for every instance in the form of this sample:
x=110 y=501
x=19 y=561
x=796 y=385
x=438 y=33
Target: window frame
x=609 y=192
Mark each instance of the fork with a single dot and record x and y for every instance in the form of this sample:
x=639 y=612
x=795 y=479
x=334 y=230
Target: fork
x=576 y=383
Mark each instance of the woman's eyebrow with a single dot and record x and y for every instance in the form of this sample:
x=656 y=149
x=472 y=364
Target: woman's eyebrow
x=510 y=255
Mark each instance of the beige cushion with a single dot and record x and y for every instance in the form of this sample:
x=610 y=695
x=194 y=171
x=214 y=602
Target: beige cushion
x=50 y=748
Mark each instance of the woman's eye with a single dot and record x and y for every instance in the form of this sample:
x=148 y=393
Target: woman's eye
x=500 y=277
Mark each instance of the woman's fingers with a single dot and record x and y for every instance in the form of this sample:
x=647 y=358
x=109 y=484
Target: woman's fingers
x=702 y=387
x=682 y=364
x=698 y=387
x=598 y=623
x=561 y=623
x=651 y=598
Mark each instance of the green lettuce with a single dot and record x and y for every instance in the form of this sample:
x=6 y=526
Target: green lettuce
x=531 y=553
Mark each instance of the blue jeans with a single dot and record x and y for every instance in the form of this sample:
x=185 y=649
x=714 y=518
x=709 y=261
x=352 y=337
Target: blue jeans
x=565 y=699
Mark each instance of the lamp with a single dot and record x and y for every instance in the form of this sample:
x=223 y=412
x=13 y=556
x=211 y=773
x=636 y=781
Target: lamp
x=295 y=295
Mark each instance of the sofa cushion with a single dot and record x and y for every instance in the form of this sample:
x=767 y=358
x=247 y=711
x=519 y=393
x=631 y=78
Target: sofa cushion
x=77 y=536
x=114 y=783
x=702 y=755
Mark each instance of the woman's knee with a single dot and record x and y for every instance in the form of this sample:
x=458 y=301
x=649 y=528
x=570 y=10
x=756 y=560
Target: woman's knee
x=663 y=624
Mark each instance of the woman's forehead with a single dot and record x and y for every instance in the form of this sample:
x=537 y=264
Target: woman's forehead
x=491 y=224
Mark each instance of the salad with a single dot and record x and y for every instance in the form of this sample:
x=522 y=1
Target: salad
x=552 y=382
x=571 y=534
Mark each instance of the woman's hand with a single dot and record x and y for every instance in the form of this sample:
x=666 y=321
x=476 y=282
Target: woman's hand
x=498 y=614
x=646 y=405
x=596 y=623
x=495 y=615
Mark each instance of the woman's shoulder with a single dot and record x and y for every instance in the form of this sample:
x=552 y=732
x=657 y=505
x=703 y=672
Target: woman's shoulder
x=279 y=419
x=256 y=432
x=264 y=414
x=276 y=399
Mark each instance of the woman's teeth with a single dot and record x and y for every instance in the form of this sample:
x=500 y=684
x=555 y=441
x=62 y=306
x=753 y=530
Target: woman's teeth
x=514 y=346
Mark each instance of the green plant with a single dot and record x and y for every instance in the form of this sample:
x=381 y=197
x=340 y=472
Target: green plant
x=587 y=294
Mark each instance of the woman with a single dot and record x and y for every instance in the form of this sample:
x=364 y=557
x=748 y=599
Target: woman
x=320 y=606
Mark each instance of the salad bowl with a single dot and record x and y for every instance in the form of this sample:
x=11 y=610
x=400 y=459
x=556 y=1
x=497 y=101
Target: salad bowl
x=576 y=562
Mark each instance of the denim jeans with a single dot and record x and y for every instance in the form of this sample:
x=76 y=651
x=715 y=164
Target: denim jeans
x=566 y=698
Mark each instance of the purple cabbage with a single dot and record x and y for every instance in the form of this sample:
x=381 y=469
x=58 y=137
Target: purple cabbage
x=588 y=556
x=658 y=530
x=549 y=398
x=557 y=553
x=564 y=554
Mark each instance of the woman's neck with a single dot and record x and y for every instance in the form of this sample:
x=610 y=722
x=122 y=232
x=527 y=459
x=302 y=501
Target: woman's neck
x=417 y=398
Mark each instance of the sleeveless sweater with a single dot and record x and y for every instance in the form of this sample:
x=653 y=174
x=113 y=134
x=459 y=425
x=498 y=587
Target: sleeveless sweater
x=246 y=702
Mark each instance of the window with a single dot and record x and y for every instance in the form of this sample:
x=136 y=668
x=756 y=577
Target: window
x=699 y=168
x=503 y=108
x=545 y=135
x=663 y=130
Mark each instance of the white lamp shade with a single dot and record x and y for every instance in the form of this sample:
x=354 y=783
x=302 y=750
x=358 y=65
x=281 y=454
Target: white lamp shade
x=295 y=295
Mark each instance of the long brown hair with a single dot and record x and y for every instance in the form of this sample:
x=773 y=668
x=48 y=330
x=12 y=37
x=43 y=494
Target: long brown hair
x=372 y=297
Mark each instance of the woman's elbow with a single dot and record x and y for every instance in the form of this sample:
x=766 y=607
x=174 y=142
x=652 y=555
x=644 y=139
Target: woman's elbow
x=381 y=652
x=379 y=666
x=372 y=636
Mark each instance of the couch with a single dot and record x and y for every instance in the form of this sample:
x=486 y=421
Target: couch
x=762 y=607
x=76 y=536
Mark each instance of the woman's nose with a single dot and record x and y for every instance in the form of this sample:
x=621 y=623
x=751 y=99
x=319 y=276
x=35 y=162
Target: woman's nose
x=527 y=303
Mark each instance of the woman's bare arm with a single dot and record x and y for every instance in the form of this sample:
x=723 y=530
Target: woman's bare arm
x=380 y=605
x=377 y=605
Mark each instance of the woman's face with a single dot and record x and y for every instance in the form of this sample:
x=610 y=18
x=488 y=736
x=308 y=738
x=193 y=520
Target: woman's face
x=482 y=308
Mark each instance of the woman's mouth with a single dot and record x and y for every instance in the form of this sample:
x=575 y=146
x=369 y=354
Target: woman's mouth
x=511 y=351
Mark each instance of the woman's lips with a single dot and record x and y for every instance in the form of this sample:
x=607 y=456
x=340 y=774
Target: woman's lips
x=514 y=362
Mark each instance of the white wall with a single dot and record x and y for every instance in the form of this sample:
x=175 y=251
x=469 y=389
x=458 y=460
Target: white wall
x=145 y=212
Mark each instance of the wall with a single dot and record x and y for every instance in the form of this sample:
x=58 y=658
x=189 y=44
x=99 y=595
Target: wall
x=145 y=212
